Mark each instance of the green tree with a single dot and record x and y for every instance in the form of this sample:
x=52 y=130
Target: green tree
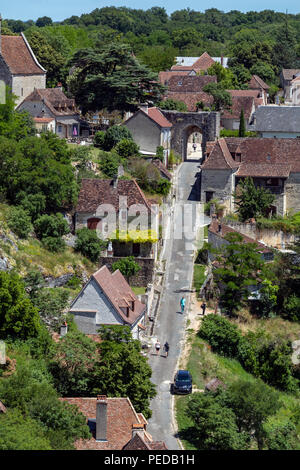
x=251 y=201
x=280 y=434
x=122 y=371
x=225 y=76
x=221 y=334
x=252 y=402
x=158 y=57
x=127 y=266
x=239 y=266
x=89 y=244
x=127 y=148
x=51 y=303
x=114 y=135
x=173 y=105
x=242 y=126
x=19 y=222
x=222 y=99
x=215 y=426
x=14 y=125
x=21 y=433
x=284 y=52
x=111 y=77
x=18 y=317
x=51 y=226
x=43 y=21
x=73 y=364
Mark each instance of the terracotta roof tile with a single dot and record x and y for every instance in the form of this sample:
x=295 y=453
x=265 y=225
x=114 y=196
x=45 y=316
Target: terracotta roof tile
x=264 y=170
x=219 y=158
x=189 y=83
x=202 y=63
x=55 y=100
x=156 y=115
x=95 y=192
x=246 y=103
x=18 y=56
x=165 y=76
x=257 y=82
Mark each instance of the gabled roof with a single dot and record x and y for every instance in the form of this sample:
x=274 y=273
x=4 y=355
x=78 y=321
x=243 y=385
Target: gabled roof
x=189 y=83
x=257 y=82
x=95 y=192
x=246 y=103
x=278 y=119
x=289 y=74
x=54 y=99
x=264 y=170
x=121 y=416
x=219 y=158
x=165 y=76
x=119 y=293
x=19 y=57
x=162 y=168
x=156 y=115
x=198 y=63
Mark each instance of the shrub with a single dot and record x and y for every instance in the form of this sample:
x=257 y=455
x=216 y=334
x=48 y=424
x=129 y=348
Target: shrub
x=292 y=308
x=19 y=222
x=127 y=266
x=51 y=226
x=114 y=135
x=34 y=204
x=54 y=244
x=99 y=139
x=109 y=163
x=127 y=148
x=160 y=153
x=221 y=334
x=89 y=244
x=163 y=186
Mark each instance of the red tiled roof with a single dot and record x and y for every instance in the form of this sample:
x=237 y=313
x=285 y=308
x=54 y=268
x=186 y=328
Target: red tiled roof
x=120 y=294
x=165 y=76
x=95 y=192
x=189 y=83
x=267 y=170
x=55 y=100
x=219 y=158
x=279 y=155
x=257 y=82
x=18 y=56
x=254 y=93
x=203 y=63
x=156 y=115
x=238 y=103
x=38 y=119
x=225 y=229
x=121 y=416
x=162 y=168
x=191 y=99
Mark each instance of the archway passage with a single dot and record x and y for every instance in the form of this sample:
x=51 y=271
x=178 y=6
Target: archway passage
x=193 y=142
x=206 y=123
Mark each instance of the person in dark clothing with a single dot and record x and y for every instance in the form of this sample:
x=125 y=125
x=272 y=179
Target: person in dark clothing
x=166 y=348
x=203 y=306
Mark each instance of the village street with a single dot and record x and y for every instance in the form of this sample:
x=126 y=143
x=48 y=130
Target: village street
x=170 y=323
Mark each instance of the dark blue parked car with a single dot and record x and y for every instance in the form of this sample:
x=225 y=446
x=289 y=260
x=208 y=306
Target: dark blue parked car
x=182 y=382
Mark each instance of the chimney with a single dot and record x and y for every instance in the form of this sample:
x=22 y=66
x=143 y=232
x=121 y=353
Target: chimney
x=144 y=107
x=59 y=86
x=101 y=418
x=136 y=428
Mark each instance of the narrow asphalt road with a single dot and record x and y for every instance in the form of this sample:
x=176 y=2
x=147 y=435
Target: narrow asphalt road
x=170 y=323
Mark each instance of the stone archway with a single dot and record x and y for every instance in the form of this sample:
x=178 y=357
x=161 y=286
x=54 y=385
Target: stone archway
x=208 y=124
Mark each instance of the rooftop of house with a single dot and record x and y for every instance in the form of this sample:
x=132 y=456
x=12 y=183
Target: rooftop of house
x=157 y=116
x=19 y=57
x=95 y=192
x=257 y=156
x=190 y=83
x=122 y=424
x=257 y=83
x=289 y=74
x=239 y=103
x=42 y=120
x=191 y=99
x=55 y=100
x=278 y=119
x=221 y=230
x=119 y=293
x=162 y=168
x=165 y=76
x=254 y=93
x=200 y=63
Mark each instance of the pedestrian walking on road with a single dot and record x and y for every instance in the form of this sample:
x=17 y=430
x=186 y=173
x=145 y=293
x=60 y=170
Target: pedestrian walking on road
x=194 y=146
x=182 y=304
x=157 y=347
x=203 y=306
x=166 y=348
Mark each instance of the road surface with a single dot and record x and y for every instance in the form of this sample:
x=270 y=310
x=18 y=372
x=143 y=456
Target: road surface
x=170 y=323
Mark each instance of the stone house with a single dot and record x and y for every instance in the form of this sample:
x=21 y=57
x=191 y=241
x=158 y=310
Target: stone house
x=271 y=163
x=53 y=103
x=107 y=299
x=256 y=83
x=150 y=129
x=189 y=89
x=114 y=425
x=286 y=78
x=295 y=90
x=19 y=68
x=109 y=205
x=230 y=119
x=43 y=124
x=278 y=121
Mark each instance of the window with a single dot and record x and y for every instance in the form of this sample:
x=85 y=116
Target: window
x=208 y=196
x=180 y=83
x=272 y=182
x=59 y=128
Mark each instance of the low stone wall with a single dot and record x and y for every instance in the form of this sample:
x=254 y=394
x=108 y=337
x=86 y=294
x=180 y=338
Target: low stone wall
x=277 y=239
x=142 y=278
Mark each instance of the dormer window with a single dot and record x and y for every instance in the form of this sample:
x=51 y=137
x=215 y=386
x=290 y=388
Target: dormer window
x=238 y=157
x=180 y=83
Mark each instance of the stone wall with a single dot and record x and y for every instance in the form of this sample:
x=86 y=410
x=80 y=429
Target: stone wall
x=22 y=86
x=220 y=182
x=145 y=133
x=275 y=239
x=292 y=190
x=207 y=122
x=142 y=278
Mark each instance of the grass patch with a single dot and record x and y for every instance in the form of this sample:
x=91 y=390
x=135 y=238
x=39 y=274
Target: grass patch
x=139 y=290
x=185 y=424
x=199 y=276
